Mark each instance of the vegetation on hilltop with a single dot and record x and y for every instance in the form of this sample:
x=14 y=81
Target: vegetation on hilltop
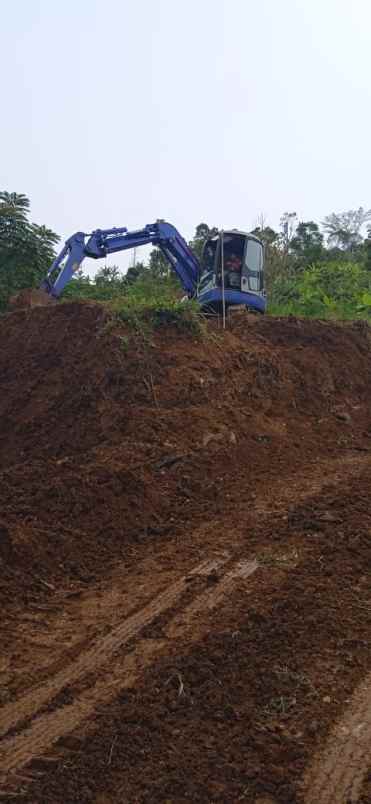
x=311 y=270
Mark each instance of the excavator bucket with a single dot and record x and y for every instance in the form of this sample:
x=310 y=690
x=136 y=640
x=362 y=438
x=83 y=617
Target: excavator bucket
x=32 y=297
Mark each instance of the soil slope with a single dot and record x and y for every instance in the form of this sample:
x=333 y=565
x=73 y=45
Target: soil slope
x=184 y=555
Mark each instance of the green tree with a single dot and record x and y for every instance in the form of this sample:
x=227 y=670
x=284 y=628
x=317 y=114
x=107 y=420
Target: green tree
x=108 y=275
x=46 y=238
x=159 y=266
x=307 y=243
x=266 y=234
x=344 y=230
x=14 y=206
x=202 y=233
x=26 y=249
x=135 y=272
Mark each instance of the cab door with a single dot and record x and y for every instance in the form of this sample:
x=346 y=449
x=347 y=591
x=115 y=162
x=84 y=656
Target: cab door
x=252 y=268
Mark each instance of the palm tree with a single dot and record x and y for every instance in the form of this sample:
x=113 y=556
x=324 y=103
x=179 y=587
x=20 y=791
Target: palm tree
x=46 y=237
x=14 y=205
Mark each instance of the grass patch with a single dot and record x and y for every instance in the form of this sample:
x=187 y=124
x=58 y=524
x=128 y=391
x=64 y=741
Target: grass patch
x=144 y=306
x=186 y=317
x=149 y=306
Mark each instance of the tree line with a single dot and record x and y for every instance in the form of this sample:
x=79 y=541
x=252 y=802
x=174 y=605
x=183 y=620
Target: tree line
x=298 y=244
x=311 y=268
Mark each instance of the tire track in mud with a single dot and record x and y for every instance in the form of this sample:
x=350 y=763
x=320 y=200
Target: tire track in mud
x=100 y=653
x=68 y=623
x=17 y=751
x=337 y=773
x=207 y=601
x=46 y=729
x=42 y=693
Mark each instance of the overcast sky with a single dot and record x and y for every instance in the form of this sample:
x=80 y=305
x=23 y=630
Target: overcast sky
x=119 y=112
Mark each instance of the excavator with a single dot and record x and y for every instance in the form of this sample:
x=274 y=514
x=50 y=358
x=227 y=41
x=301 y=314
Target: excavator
x=230 y=273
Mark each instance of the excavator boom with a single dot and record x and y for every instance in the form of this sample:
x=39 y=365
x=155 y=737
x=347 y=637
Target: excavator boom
x=109 y=241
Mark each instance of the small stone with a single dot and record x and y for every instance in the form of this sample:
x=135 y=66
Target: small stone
x=212 y=577
x=208 y=437
x=343 y=417
x=326 y=699
x=327 y=516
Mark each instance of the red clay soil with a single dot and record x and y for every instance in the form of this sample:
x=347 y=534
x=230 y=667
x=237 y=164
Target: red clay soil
x=129 y=672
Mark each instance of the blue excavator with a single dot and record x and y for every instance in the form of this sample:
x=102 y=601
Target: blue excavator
x=230 y=273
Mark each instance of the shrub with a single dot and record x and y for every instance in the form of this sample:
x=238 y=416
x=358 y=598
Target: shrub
x=336 y=289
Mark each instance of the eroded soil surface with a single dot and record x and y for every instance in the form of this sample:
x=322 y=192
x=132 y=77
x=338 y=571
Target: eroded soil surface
x=185 y=561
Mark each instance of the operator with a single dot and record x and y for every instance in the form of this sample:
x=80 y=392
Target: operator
x=233 y=268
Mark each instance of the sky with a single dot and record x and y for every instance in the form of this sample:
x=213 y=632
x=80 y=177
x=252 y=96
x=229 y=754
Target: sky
x=120 y=112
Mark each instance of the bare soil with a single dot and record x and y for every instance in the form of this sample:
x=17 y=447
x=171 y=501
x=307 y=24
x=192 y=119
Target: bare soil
x=185 y=561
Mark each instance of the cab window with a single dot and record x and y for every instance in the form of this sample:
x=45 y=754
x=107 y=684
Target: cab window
x=208 y=264
x=253 y=265
x=233 y=245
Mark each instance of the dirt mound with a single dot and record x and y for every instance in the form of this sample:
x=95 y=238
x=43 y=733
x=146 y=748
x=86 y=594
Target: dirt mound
x=32 y=297
x=107 y=438
x=70 y=381
x=184 y=543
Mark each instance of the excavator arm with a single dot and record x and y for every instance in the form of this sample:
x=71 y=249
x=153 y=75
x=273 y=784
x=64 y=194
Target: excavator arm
x=109 y=241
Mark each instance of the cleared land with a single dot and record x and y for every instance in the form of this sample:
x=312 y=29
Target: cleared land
x=185 y=561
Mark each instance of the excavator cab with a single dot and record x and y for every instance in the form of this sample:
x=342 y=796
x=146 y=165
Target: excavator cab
x=232 y=272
